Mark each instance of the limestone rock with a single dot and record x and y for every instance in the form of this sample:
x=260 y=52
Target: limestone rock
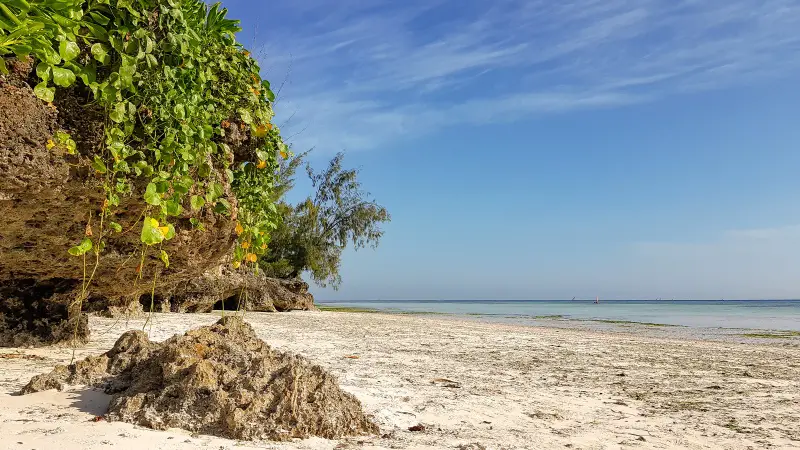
x=223 y=287
x=48 y=197
x=219 y=380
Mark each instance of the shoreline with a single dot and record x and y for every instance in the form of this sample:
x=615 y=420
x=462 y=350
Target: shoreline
x=765 y=336
x=507 y=386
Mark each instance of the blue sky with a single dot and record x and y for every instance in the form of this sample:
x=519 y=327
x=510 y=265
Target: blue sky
x=540 y=149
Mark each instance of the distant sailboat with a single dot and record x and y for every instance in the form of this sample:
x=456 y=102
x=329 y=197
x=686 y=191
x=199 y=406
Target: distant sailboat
x=597 y=299
x=573 y=299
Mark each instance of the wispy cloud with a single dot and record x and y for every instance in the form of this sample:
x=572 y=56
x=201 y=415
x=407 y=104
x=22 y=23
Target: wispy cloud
x=366 y=72
x=791 y=232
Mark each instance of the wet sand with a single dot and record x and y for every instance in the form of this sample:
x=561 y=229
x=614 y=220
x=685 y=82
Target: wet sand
x=471 y=384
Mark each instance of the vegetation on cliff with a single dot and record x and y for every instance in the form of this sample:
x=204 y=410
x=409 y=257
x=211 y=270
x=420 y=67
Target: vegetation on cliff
x=173 y=84
x=138 y=153
x=159 y=129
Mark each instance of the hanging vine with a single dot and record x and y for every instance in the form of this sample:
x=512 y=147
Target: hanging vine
x=172 y=82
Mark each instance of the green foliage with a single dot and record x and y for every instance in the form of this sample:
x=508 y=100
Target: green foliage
x=172 y=81
x=164 y=258
x=153 y=233
x=313 y=233
x=63 y=142
x=82 y=248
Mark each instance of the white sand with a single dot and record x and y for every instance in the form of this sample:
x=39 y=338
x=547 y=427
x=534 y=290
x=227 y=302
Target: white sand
x=520 y=387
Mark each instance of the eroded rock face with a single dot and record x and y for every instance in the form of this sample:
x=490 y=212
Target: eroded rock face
x=219 y=380
x=256 y=291
x=29 y=321
x=47 y=198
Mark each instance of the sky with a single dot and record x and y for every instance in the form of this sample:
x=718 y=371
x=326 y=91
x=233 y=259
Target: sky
x=547 y=150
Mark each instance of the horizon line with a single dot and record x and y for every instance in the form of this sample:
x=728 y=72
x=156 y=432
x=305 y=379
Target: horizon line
x=564 y=300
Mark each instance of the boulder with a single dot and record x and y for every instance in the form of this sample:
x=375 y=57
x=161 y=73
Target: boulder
x=219 y=380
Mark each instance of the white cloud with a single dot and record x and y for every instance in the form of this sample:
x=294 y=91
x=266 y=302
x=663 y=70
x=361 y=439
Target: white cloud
x=365 y=73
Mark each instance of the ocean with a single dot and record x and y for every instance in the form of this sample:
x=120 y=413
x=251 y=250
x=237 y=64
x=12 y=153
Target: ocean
x=740 y=314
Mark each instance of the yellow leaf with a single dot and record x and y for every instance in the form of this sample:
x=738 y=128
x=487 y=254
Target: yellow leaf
x=251 y=257
x=260 y=131
x=236 y=264
x=239 y=229
x=284 y=155
x=261 y=164
x=245 y=245
x=163 y=230
x=50 y=144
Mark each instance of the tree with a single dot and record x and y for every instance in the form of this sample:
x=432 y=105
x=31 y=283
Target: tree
x=313 y=233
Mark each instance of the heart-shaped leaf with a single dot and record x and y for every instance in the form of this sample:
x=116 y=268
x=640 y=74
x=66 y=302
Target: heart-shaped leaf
x=68 y=50
x=100 y=53
x=63 y=77
x=82 y=248
x=151 y=195
x=197 y=202
x=174 y=208
x=99 y=165
x=43 y=71
x=43 y=92
x=151 y=235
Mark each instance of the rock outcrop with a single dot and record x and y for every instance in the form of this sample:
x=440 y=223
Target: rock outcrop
x=219 y=380
x=223 y=287
x=29 y=321
x=47 y=199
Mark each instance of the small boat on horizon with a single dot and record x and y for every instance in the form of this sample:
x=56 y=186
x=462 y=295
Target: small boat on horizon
x=597 y=300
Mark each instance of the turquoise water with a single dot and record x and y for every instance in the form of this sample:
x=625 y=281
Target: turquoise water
x=758 y=314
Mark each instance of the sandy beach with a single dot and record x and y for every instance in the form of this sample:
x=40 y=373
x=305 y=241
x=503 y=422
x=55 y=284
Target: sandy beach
x=470 y=384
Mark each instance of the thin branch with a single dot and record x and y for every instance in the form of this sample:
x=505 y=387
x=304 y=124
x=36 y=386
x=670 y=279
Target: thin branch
x=297 y=134
x=285 y=79
x=286 y=122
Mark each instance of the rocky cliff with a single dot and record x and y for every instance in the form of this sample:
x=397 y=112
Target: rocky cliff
x=50 y=200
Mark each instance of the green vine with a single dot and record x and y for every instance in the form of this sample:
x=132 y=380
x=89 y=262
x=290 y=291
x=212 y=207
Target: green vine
x=173 y=83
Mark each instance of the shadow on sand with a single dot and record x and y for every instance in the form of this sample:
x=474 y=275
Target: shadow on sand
x=90 y=401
